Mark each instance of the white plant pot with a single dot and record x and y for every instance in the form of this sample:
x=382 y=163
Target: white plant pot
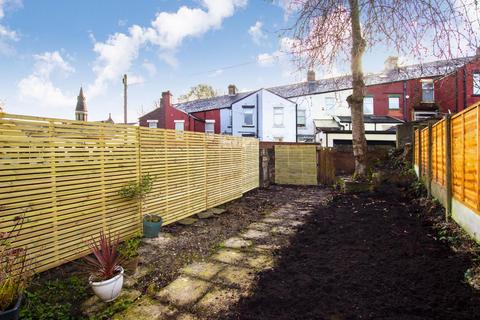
x=110 y=289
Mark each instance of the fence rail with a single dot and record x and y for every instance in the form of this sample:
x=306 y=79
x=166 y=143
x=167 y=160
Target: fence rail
x=454 y=152
x=64 y=176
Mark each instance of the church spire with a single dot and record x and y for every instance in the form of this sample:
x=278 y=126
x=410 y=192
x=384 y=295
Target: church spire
x=81 y=109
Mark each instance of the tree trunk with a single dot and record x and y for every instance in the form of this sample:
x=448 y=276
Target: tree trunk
x=355 y=101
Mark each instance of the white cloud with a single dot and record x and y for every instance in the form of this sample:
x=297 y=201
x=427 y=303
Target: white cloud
x=150 y=68
x=167 y=32
x=216 y=73
x=267 y=59
x=6 y=34
x=38 y=87
x=257 y=33
x=286 y=46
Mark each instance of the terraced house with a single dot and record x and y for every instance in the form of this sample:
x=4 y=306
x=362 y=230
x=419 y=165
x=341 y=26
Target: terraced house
x=317 y=111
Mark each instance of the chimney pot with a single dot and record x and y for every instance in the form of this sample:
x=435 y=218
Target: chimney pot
x=232 y=90
x=310 y=75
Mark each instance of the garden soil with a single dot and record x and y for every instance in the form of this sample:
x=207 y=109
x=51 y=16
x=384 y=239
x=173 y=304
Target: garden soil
x=371 y=256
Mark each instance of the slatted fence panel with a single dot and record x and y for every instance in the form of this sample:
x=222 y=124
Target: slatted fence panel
x=438 y=153
x=64 y=177
x=296 y=164
x=424 y=155
x=416 y=151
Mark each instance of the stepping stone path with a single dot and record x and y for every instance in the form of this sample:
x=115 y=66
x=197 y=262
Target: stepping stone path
x=188 y=221
x=207 y=288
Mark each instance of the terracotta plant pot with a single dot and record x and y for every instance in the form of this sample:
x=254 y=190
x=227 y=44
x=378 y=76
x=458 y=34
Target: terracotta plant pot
x=13 y=313
x=131 y=265
x=110 y=289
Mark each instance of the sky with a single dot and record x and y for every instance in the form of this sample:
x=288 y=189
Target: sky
x=49 y=48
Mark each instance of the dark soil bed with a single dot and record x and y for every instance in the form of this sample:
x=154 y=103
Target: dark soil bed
x=369 y=256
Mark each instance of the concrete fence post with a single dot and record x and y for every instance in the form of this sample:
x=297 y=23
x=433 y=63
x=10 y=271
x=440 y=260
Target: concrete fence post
x=429 y=161
x=448 y=165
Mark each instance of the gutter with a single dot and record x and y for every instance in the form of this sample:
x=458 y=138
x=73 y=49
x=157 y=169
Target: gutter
x=296 y=122
x=257 y=115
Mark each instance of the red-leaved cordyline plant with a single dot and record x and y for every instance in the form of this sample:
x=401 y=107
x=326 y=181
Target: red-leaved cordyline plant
x=15 y=268
x=106 y=261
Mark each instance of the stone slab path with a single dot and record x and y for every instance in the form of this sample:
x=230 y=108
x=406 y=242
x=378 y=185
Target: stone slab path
x=209 y=287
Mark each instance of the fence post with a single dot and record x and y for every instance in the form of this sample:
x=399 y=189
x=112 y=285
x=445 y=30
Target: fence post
x=412 y=139
x=448 y=165
x=429 y=161
x=420 y=162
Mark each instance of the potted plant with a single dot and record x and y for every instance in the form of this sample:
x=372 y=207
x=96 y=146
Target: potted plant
x=138 y=191
x=128 y=251
x=106 y=277
x=15 y=273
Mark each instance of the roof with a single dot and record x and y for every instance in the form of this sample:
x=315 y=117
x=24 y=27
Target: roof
x=371 y=119
x=326 y=123
x=425 y=70
x=219 y=102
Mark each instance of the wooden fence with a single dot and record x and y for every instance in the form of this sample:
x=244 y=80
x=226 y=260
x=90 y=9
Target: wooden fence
x=450 y=159
x=64 y=176
x=296 y=164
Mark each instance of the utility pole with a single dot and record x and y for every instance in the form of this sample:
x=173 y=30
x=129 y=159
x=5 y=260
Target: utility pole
x=124 y=80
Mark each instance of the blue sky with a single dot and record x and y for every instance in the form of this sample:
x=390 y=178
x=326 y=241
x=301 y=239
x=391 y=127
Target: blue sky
x=49 y=48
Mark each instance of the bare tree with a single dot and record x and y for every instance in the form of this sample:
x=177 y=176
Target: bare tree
x=200 y=91
x=328 y=30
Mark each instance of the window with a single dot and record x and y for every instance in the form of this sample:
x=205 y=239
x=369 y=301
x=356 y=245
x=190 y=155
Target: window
x=368 y=105
x=209 y=126
x=427 y=90
x=301 y=121
x=248 y=115
x=278 y=116
x=152 y=123
x=329 y=103
x=179 y=125
x=476 y=83
x=394 y=102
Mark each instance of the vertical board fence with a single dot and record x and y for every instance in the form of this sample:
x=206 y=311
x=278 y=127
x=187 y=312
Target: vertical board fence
x=63 y=177
x=449 y=163
x=296 y=164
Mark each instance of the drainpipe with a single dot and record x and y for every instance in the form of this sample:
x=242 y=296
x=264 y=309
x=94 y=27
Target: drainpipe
x=456 y=91
x=405 y=115
x=257 y=115
x=296 y=124
x=464 y=87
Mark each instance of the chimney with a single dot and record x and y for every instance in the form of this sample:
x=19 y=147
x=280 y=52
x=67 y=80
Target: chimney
x=310 y=75
x=391 y=64
x=166 y=99
x=232 y=90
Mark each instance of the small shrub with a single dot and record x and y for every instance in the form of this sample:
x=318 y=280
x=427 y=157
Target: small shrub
x=152 y=218
x=15 y=268
x=138 y=190
x=129 y=248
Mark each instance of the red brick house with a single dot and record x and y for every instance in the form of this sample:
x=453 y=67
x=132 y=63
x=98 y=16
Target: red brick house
x=167 y=116
x=458 y=89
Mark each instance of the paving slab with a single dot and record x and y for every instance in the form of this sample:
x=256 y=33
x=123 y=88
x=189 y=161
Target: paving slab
x=283 y=230
x=203 y=270
x=236 y=276
x=218 y=300
x=188 y=221
x=237 y=243
x=217 y=210
x=146 y=309
x=94 y=304
x=260 y=226
x=260 y=262
x=254 y=234
x=183 y=291
x=272 y=220
x=228 y=256
x=205 y=215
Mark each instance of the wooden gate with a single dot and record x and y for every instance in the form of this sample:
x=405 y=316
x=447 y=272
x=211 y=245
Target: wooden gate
x=296 y=164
